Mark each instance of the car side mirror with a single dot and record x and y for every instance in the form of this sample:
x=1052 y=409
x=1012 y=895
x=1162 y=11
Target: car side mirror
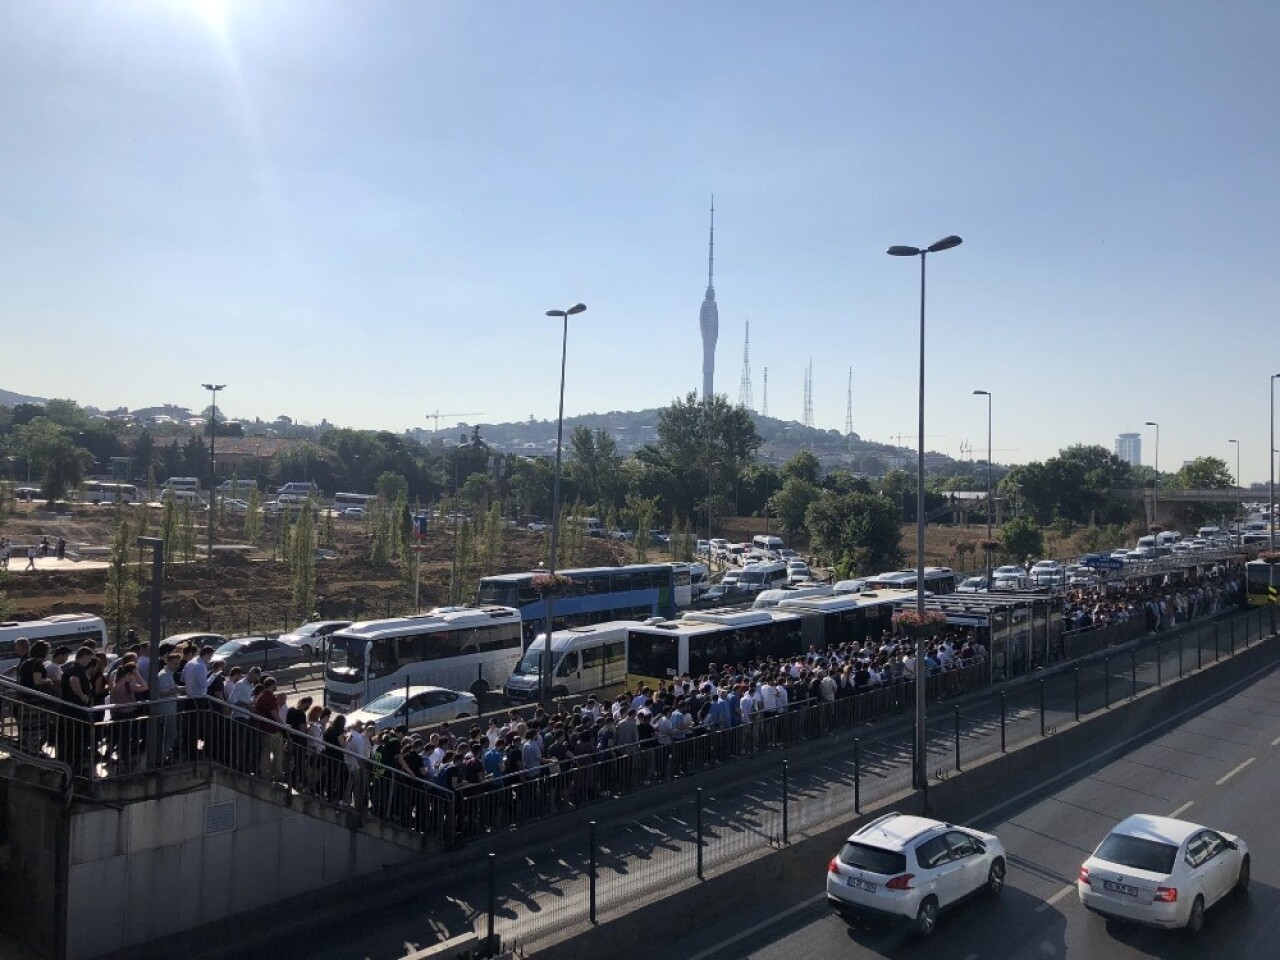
x=1231 y=844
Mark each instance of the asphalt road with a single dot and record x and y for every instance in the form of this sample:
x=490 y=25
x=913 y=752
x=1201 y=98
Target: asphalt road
x=1221 y=768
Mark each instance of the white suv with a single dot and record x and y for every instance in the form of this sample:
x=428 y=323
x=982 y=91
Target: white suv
x=912 y=867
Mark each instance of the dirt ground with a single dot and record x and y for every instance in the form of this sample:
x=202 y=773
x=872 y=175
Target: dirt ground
x=251 y=592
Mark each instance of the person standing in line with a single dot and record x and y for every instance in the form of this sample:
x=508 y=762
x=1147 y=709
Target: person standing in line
x=31 y=558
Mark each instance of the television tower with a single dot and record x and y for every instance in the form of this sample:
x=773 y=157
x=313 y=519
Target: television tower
x=808 y=395
x=764 y=404
x=848 y=407
x=709 y=317
x=744 y=387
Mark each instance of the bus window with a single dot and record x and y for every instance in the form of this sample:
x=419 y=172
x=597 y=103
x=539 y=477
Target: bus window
x=382 y=661
x=653 y=656
x=568 y=664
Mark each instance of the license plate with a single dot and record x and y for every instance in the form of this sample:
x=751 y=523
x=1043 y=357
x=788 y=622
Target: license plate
x=1124 y=888
x=859 y=884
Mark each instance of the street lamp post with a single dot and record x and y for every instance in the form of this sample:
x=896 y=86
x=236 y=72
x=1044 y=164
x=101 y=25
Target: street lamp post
x=156 y=545
x=1239 y=507
x=920 y=774
x=1271 y=465
x=987 y=551
x=1155 y=486
x=213 y=389
x=544 y=671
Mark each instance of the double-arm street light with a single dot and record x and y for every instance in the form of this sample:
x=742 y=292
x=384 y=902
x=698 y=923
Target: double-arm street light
x=213 y=389
x=920 y=774
x=1239 y=508
x=1271 y=466
x=545 y=671
x=987 y=550
x=1155 y=484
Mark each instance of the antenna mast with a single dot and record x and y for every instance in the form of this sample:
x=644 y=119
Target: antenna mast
x=744 y=388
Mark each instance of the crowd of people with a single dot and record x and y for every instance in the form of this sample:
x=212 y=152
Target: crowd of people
x=1158 y=606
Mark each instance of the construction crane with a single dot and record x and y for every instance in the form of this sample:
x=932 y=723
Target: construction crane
x=436 y=415
x=899 y=437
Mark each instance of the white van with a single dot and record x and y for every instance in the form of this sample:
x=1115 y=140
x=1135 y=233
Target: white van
x=180 y=483
x=182 y=496
x=763 y=576
x=699 y=579
x=237 y=488
x=297 y=490
x=60 y=629
x=769 y=544
x=1208 y=533
x=582 y=659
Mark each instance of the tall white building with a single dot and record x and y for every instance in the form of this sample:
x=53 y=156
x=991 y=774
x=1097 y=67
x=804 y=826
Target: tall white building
x=709 y=318
x=1129 y=448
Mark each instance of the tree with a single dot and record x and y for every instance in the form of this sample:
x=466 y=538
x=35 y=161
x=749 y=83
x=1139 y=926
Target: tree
x=857 y=532
x=253 y=517
x=392 y=487
x=595 y=466
x=701 y=450
x=304 y=563
x=121 y=599
x=1020 y=538
x=803 y=466
x=641 y=511
x=1081 y=485
x=48 y=445
x=791 y=504
x=495 y=530
x=1203 y=473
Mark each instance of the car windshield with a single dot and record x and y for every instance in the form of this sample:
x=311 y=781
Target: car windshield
x=1138 y=853
x=873 y=859
x=530 y=664
x=385 y=704
x=229 y=648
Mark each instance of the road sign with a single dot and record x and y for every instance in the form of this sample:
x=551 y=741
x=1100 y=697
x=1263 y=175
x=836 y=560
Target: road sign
x=1103 y=563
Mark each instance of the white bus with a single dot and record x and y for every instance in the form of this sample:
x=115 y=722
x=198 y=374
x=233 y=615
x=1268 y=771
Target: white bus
x=462 y=648
x=664 y=651
x=362 y=500
x=61 y=629
x=681 y=584
x=937 y=580
x=763 y=576
x=96 y=491
x=582 y=658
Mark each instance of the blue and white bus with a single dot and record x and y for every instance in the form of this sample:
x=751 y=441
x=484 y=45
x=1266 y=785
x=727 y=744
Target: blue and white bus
x=598 y=595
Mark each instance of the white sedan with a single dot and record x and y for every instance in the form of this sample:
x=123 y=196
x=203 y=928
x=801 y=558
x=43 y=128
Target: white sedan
x=1162 y=872
x=911 y=868
x=416 y=707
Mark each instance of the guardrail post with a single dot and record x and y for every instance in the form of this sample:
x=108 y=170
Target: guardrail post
x=1159 y=677
x=491 y=944
x=1002 y=719
x=1133 y=674
x=1106 y=681
x=1042 y=706
x=786 y=823
x=1076 y=673
x=591 y=842
x=857 y=776
x=957 y=716
x=698 y=826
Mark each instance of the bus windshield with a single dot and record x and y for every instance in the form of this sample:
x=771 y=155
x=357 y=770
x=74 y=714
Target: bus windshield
x=505 y=593
x=530 y=664
x=653 y=656
x=346 y=656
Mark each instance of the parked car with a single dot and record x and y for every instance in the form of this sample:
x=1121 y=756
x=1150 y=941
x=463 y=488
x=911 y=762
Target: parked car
x=260 y=651
x=537 y=526
x=912 y=868
x=972 y=585
x=353 y=513
x=1008 y=570
x=310 y=638
x=619 y=533
x=234 y=506
x=422 y=706
x=726 y=593
x=1163 y=872
x=214 y=640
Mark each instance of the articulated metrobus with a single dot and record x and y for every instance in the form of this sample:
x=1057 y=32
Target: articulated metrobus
x=463 y=648
x=96 y=491
x=1262 y=582
x=598 y=594
x=663 y=651
x=845 y=618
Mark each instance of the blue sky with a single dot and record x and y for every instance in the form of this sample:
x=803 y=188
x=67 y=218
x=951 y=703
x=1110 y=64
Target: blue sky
x=360 y=211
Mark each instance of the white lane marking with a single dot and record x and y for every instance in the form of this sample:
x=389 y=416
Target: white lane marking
x=972 y=956
x=1225 y=777
x=750 y=931
x=1070 y=888
x=1276 y=742
x=1181 y=810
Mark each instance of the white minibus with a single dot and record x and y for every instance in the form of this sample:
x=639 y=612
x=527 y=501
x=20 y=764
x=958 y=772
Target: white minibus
x=583 y=658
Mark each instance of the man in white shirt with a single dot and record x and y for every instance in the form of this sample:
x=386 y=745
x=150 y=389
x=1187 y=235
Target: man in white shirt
x=358 y=750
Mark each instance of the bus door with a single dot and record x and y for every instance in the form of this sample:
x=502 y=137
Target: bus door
x=568 y=673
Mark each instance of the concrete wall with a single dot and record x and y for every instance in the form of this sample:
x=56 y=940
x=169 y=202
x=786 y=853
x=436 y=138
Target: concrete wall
x=158 y=866
x=33 y=867
x=745 y=890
